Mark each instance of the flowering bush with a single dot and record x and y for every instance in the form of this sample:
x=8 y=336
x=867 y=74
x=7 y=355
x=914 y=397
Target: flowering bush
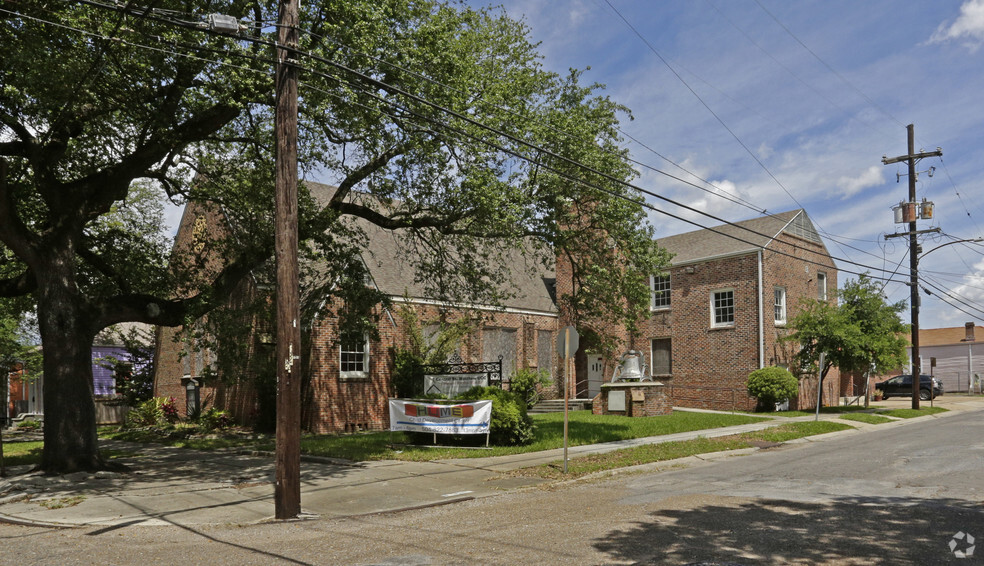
x=169 y=410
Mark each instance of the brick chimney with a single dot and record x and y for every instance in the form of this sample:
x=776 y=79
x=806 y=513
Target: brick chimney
x=969 y=328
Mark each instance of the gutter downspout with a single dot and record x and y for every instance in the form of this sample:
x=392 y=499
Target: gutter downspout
x=761 y=321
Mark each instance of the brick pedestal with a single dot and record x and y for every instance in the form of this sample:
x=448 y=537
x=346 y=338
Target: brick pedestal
x=633 y=399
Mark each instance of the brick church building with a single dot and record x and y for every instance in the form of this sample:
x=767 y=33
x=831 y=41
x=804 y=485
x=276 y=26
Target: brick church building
x=715 y=316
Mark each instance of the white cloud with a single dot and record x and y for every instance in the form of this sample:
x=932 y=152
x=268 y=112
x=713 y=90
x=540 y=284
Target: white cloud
x=968 y=25
x=765 y=151
x=870 y=177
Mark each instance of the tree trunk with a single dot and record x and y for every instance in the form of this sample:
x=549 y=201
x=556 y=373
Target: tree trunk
x=69 y=410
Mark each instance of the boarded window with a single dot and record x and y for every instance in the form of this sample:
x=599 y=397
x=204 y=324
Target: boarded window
x=545 y=351
x=500 y=342
x=662 y=357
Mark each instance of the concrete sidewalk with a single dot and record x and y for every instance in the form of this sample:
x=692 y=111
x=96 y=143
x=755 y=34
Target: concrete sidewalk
x=186 y=487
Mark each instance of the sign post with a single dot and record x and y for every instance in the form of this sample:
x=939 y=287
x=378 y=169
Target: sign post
x=567 y=342
x=823 y=357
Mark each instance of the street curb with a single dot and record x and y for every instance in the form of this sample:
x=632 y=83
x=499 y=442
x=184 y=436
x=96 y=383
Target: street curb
x=8 y=519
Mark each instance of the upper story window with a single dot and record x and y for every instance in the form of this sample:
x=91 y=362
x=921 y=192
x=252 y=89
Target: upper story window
x=660 y=285
x=354 y=356
x=821 y=286
x=780 y=305
x=723 y=308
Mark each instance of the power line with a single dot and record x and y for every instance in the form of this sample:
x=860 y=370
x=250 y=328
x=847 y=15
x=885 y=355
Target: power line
x=829 y=68
x=397 y=90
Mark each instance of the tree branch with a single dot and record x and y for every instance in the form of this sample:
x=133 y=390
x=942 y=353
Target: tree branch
x=13 y=232
x=19 y=286
x=149 y=309
x=362 y=173
x=105 y=268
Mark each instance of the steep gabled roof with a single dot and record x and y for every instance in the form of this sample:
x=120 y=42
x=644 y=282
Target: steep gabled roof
x=393 y=273
x=747 y=236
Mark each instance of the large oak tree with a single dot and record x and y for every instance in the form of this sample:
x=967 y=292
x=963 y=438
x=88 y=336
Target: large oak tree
x=435 y=121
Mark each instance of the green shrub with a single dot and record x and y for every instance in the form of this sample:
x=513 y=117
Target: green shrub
x=156 y=411
x=213 y=419
x=29 y=424
x=510 y=425
x=527 y=383
x=408 y=375
x=771 y=385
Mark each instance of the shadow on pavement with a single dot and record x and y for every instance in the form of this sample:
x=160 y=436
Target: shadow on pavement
x=856 y=531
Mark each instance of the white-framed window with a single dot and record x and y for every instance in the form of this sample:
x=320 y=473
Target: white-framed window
x=821 y=286
x=660 y=290
x=780 y=305
x=723 y=308
x=353 y=356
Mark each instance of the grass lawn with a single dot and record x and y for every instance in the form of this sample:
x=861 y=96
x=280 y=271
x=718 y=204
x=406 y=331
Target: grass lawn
x=867 y=418
x=583 y=428
x=823 y=410
x=22 y=453
x=585 y=465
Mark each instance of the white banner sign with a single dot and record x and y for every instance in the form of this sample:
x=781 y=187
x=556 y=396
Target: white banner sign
x=459 y=418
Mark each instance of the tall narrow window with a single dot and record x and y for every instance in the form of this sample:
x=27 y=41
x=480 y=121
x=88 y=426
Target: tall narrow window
x=822 y=286
x=354 y=356
x=662 y=357
x=723 y=308
x=660 y=291
x=780 y=305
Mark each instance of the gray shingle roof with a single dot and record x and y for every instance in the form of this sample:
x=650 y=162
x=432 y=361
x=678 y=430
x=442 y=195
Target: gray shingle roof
x=747 y=236
x=386 y=258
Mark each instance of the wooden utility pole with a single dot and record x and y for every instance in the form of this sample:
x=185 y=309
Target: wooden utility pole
x=287 y=491
x=911 y=159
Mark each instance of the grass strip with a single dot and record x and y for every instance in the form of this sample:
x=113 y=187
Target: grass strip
x=594 y=463
x=867 y=418
x=583 y=428
x=912 y=413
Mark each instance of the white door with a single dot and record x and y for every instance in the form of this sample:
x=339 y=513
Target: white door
x=596 y=374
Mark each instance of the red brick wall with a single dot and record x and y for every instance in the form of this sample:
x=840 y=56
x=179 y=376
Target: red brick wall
x=337 y=404
x=711 y=365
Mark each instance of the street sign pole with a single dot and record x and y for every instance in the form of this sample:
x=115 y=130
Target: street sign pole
x=567 y=382
x=567 y=341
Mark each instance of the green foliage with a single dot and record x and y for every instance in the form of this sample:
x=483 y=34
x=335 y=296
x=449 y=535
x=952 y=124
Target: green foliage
x=771 y=385
x=135 y=374
x=423 y=347
x=527 y=383
x=408 y=375
x=30 y=424
x=213 y=419
x=17 y=343
x=861 y=331
x=156 y=411
x=95 y=131
x=510 y=425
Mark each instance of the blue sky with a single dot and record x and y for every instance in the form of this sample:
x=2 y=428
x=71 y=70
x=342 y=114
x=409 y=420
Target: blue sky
x=793 y=104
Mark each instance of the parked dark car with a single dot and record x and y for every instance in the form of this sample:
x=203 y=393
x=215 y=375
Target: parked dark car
x=901 y=386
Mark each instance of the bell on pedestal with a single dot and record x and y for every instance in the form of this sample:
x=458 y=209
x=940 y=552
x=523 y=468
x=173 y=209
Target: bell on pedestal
x=631 y=367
